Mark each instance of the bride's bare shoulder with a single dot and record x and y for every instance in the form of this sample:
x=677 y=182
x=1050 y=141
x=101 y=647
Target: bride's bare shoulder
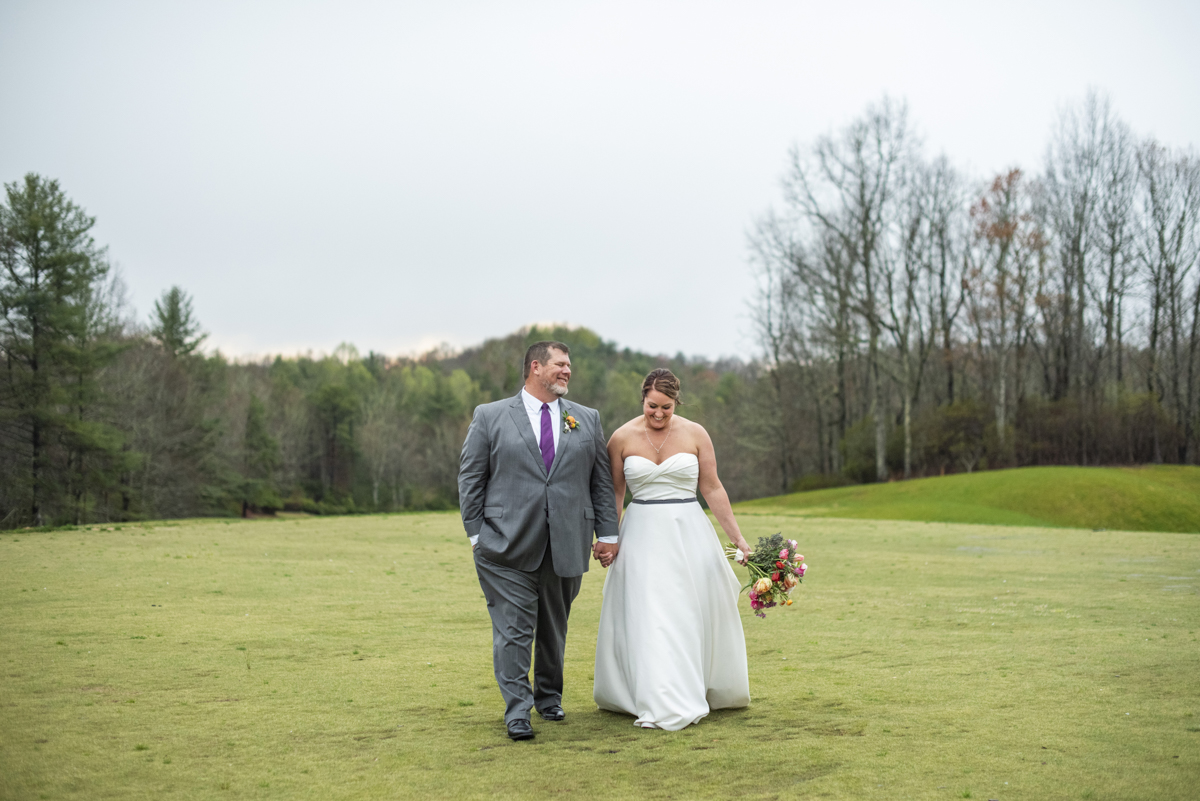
x=692 y=429
x=626 y=430
x=691 y=426
x=633 y=426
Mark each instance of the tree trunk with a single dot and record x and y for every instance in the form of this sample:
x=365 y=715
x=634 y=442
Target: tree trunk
x=35 y=509
x=1120 y=347
x=877 y=410
x=948 y=360
x=907 y=435
x=1001 y=396
x=843 y=410
x=1189 y=412
x=822 y=452
x=785 y=477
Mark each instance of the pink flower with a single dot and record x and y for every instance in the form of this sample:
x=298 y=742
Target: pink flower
x=753 y=595
x=796 y=571
x=783 y=554
x=798 y=557
x=792 y=543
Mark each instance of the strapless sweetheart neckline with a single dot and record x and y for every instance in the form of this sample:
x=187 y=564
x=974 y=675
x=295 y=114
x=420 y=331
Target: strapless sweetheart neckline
x=664 y=461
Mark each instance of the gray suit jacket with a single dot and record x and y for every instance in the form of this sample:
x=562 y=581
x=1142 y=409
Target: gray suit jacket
x=507 y=498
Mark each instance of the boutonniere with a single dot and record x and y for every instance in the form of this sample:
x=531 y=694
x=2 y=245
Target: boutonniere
x=569 y=422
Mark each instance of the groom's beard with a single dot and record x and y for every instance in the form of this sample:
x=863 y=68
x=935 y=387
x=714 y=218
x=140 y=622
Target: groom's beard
x=554 y=387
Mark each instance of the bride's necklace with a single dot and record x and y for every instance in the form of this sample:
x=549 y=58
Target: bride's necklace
x=646 y=431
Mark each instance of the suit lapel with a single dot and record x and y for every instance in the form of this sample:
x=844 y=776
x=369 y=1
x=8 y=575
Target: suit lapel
x=565 y=438
x=520 y=418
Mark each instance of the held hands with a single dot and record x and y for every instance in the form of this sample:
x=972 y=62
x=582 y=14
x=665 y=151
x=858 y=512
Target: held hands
x=605 y=552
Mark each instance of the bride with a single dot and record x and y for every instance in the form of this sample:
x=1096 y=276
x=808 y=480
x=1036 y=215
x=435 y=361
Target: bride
x=670 y=646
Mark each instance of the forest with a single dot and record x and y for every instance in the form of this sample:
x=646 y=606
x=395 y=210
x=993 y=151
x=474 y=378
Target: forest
x=915 y=320
x=910 y=320
x=106 y=418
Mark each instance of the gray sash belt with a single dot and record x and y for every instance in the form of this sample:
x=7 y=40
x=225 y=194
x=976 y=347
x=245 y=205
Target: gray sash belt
x=668 y=500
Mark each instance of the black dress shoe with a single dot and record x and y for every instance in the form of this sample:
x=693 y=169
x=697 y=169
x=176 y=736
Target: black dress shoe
x=520 y=730
x=552 y=713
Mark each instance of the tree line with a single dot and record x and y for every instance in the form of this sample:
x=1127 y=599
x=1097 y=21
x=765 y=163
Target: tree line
x=916 y=320
x=107 y=418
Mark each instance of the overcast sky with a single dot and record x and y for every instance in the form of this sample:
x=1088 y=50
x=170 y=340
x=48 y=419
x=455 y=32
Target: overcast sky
x=398 y=175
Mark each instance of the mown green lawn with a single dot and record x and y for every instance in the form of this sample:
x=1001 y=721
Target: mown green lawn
x=350 y=658
x=1150 y=498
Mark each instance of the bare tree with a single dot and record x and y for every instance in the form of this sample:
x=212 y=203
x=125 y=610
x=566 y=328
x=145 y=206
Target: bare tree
x=776 y=319
x=804 y=318
x=1071 y=180
x=907 y=280
x=379 y=436
x=846 y=188
x=1003 y=261
x=1169 y=246
x=1114 y=244
x=946 y=258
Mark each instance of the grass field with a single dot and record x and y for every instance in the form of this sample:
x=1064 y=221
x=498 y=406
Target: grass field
x=329 y=658
x=1151 y=498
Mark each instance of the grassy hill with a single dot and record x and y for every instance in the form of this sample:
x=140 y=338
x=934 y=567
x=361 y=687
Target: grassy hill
x=1153 y=498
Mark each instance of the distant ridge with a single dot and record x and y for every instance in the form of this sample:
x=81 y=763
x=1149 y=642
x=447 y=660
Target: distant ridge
x=1150 y=498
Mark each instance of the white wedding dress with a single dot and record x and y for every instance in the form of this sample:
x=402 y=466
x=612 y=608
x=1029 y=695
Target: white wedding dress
x=670 y=646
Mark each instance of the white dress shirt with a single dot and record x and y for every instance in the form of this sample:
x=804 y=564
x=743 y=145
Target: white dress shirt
x=533 y=407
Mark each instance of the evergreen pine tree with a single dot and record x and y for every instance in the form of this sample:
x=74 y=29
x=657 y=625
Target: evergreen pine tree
x=174 y=325
x=51 y=305
x=260 y=462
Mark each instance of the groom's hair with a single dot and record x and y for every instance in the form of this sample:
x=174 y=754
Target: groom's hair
x=540 y=352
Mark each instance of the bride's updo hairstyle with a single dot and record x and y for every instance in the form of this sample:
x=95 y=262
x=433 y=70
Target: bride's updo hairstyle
x=664 y=381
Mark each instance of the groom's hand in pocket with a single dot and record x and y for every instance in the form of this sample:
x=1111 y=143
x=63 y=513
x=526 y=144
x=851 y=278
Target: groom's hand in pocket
x=606 y=552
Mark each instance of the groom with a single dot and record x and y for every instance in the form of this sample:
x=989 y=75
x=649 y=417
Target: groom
x=534 y=482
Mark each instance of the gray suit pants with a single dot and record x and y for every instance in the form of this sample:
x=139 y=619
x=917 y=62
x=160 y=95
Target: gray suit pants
x=525 y=606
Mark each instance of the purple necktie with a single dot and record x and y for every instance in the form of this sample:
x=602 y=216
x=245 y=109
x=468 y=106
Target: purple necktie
x=547 y=437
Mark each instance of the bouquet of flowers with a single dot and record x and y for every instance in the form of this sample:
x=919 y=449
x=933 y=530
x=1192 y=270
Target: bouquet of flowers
x=775 y=570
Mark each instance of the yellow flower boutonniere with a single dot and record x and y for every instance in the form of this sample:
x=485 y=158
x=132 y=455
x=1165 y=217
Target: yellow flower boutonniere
x=569 y=422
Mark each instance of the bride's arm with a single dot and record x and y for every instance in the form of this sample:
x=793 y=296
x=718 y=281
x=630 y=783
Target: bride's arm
x=714 y=492
x=616 y=457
